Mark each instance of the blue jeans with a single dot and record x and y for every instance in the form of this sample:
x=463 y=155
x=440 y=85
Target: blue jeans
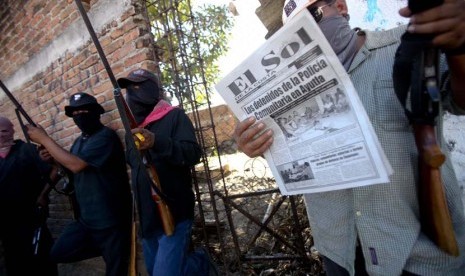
x=169 y=256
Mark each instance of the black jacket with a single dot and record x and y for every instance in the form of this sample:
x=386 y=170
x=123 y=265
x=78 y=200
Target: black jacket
x=23 y=176
x=175 y=151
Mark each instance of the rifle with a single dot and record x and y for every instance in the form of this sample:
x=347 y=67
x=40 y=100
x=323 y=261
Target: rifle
x=18 y=108
x=68 y=190
x=416 y=75
x=128 y=123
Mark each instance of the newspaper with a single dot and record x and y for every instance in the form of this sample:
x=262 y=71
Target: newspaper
x=296 y=86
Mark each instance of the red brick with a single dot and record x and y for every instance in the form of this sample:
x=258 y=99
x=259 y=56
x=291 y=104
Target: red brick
x=28 y=29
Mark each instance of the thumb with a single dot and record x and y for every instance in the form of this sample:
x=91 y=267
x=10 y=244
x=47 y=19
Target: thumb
x=405 y=12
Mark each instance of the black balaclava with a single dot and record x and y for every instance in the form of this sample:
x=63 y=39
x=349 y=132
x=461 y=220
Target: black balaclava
x=142 y=98
x=88 y=123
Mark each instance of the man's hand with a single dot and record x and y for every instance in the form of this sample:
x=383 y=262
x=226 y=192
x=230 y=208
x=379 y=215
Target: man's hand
x=446 y=21
x=45 y=155
x=147 y=142
x=245 y=133
x=36 y=134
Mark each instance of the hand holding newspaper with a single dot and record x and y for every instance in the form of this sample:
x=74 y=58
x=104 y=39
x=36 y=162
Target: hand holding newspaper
x=295 y=85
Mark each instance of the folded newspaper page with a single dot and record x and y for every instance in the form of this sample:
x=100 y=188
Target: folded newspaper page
x=295 y=85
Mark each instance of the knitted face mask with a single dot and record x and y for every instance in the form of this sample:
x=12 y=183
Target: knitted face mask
x=142 y=98
x=89 y=122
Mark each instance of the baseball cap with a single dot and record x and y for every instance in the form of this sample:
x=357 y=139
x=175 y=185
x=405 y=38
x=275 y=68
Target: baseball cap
x=292 y=7
x=83 y=100
x=137 y=76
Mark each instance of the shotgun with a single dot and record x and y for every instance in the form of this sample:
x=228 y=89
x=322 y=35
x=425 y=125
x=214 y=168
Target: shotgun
x=133 y=254
x=129 y=123
x=416 y=77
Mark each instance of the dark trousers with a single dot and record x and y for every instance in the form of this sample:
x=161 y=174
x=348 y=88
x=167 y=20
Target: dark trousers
x=79 y=242
x=19 y=253
x=333 y=269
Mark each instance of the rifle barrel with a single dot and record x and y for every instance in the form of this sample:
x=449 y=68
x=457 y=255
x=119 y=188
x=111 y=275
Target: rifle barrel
x=96 y=43
x=16 y=103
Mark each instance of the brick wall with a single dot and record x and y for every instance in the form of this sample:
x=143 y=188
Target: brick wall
x=47 y=55
x=126 y=42
x=27 y=26
x=224 y=122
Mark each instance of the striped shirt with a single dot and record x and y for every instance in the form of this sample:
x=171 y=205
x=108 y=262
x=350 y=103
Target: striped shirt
x=385 y=217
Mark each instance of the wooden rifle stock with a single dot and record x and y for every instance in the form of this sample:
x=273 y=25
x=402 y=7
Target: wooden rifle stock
x=133 y=258
x=434 y=212
x=165 y=213
x=133 y=254
x=416 y=77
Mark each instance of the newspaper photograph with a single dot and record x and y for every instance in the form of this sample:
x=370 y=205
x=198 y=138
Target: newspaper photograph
x=295 y=85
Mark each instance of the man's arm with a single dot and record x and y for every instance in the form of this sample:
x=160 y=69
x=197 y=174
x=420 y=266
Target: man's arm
x=62 y=156
x=54 y=175
x=447 y=23
x=43 y=199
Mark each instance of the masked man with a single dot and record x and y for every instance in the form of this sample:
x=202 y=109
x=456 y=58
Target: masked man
x=375 y=230
x=170 y=146
x=102 y=189
x=24 y=188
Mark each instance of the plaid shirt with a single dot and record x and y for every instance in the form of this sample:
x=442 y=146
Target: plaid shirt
x=385 y=217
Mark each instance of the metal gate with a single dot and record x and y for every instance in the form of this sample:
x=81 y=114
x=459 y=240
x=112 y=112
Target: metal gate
x=248 y=227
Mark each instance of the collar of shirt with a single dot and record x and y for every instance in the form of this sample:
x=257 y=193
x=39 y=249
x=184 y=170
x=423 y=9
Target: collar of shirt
x=375 y=40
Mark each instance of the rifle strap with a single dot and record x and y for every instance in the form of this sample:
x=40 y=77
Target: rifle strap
x=419 y=97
